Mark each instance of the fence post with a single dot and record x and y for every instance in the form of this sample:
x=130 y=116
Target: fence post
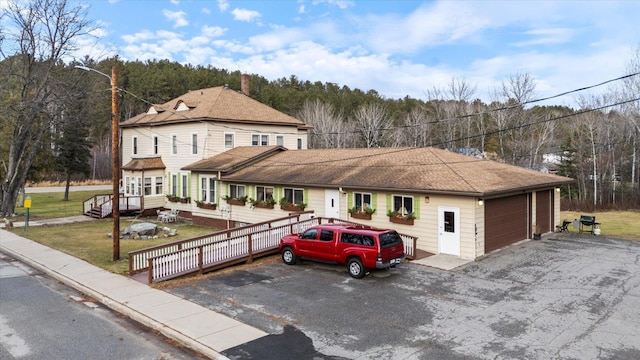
x=130 y=265
x=250 y=260
x=150 y=277
x=200 y=251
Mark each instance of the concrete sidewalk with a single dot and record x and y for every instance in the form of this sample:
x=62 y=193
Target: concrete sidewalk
x=194 y=326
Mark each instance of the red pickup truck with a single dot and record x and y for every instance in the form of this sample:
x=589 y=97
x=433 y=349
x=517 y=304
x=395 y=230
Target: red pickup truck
x=360 y=248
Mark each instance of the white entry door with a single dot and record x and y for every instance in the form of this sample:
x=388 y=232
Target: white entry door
x=332 y=204
x=449 y=230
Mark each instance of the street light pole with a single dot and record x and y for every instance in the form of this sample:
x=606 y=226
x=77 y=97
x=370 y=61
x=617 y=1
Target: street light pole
x=115 y=157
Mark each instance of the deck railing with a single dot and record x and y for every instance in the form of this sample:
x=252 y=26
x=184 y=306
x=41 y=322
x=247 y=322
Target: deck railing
x=103 y=202
x=228 y=247
x=138 y=260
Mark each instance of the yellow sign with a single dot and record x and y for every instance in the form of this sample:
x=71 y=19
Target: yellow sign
x=27 y=203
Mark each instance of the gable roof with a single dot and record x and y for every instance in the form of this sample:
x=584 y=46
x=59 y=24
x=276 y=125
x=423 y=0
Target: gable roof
x=219 y=103
x=421 y=170
x=148 y=163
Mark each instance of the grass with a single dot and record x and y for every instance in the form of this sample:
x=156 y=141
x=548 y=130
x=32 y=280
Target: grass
x=89 y=240
x=616 y=224
x=52 y=205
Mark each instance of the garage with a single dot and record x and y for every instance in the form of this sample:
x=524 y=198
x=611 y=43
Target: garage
x=506 y=221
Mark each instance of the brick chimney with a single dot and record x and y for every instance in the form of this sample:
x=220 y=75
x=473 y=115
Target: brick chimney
x=244 y=84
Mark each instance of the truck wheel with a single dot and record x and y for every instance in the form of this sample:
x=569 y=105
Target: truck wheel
x=355 y=268
x=288 y=256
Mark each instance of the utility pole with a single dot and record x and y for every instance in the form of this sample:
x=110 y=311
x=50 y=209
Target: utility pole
x=115 y=158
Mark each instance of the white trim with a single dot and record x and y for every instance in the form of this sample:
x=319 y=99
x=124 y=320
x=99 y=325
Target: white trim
x=233 y=140
x=192 y=144
x=134 y=145
x=173 y=144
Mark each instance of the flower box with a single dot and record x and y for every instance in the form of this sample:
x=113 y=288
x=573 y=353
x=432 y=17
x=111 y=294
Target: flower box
x=208 y=206
x=185 y=200
x=236 y=202
x=174 y=199
x=360 y=215
x=291 y=207
x=263 y=205
x=400 y=220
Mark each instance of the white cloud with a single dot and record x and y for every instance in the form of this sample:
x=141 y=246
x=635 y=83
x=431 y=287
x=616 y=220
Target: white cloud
x=206 y=11
x=547 y=36
x=213 y=31
x=223 y=5
x=175 y=2
x=342 y=4
x=301 y=9
x=245 y=15
x=177 y=17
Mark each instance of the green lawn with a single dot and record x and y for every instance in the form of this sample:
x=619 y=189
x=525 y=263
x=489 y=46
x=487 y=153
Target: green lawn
x=51 y=205
x=617 y=224
x=89 y=240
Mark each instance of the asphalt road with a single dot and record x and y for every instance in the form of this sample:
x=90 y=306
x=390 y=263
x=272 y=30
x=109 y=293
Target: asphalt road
x=43 y=319
x=575 y=297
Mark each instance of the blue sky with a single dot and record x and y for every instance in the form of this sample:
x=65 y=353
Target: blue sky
x=397 y=48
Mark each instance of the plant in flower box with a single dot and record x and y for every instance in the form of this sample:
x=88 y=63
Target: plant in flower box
x=240 y=200
x=398 y=218
x=265 y=204
x=285 y=204
x=206 y=205
x=173 y=198
x=362 y=213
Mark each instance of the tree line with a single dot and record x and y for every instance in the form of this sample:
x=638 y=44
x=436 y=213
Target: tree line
x=56 y=119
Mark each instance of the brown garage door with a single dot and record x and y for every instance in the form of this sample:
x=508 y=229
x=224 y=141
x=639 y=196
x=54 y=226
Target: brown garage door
x=505 y=221
x=544 y=211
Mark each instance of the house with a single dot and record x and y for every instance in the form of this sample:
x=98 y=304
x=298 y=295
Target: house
x=223 y=159
x=195 y=126
x=454 y=204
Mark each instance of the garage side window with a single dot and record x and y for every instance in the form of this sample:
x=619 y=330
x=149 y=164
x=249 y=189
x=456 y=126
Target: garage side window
x=403 y=205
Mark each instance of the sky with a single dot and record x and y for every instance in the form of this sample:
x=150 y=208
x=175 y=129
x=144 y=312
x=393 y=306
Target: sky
x=397 y=48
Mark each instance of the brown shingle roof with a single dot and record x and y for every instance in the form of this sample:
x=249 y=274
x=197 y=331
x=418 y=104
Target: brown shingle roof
x=234 y=159
x=218 y=103
x=150 y=163
x=427 y=170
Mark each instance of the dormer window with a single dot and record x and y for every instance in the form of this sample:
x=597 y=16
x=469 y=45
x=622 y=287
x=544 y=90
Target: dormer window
x=182 y=107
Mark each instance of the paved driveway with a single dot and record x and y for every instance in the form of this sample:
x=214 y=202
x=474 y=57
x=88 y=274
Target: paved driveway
x=563 y=298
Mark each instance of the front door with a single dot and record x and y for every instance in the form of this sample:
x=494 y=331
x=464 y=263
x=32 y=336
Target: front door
x=449 y=230
x=332 y=204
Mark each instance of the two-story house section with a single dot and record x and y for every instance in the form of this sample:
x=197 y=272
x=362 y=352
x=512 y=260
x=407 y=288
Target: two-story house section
x=157 y=144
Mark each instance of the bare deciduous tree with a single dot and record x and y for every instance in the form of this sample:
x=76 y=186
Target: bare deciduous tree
x=41 y=33
x=373 y=123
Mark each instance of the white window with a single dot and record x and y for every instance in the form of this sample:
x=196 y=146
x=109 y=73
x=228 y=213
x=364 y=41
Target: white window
x=134 y=145
x=237 y=191
x=280 y=140
x=259 y=140
x=299 y=143
x=159 y=185
x=138 y=186
x=294 y=196
x=147 y=186
x=174 y=185
x=228 y=141
x=264 y=193
x=403 y=205
x=208 y=190
x=155 y=144
x=174 y=144
x=185 y=185
x=361 y=201
x=194 y=143
x=127 y=189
